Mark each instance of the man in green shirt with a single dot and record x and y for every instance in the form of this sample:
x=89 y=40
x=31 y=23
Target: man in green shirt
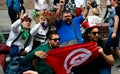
x=39 y=54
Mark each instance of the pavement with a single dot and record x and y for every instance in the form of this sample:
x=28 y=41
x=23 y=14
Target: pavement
x=5 y=24
x=4 y=20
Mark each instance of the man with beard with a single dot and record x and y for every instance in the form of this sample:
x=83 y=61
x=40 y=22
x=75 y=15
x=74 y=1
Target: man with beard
x=39 y=54
x=68 y=27
x=102 y=64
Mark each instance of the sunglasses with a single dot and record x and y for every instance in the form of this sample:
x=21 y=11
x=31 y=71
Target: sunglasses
x=56 y=39
x=94 y=33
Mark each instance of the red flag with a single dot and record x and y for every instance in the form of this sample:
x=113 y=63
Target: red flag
x=63 y=59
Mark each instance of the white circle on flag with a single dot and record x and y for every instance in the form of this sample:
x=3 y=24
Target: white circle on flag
x=75 y=58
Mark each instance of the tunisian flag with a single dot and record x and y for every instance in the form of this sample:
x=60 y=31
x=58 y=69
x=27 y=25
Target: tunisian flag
x=63 y=59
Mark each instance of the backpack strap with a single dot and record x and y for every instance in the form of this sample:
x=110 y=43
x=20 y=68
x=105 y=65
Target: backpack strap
x=17 y=37
x=75 y=30
x=28 y=40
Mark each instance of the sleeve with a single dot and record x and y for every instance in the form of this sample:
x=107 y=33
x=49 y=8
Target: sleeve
x=107 y=48
x=117 y=10
x=58 y=23
x=15 y=25
x=29 y=47
x=79 y=19
x=34 y=30
x=31 y=55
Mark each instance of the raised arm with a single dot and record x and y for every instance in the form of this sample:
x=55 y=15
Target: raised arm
x=86 y=10
x=59 y=10
x=116 y=19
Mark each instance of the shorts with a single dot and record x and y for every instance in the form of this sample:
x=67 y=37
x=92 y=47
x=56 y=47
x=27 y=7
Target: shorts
x=115 y=43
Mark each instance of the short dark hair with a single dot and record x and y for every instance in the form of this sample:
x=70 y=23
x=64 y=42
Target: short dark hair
x=28 y=19
x=50 y=33
x=66 y=11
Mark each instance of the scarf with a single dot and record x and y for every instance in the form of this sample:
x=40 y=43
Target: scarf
x=24 y=33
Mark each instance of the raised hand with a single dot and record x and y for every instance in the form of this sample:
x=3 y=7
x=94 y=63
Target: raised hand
x=24 y=16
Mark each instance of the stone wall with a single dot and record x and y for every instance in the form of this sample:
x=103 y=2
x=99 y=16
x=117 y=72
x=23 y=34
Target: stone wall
x=29 y=4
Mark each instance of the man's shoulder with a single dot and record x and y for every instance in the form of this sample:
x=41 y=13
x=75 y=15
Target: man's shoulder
x=43 y=45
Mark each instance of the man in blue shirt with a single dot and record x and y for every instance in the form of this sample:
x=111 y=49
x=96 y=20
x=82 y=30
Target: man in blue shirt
x=68 y=28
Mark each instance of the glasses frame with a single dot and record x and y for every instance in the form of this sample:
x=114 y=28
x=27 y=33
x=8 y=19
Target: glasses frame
x=94 y=33
x=55 y=40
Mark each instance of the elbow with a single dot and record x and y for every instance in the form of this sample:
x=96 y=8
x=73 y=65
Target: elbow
x=112 y=62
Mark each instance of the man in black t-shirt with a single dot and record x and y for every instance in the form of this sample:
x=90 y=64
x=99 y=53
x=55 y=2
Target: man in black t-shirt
x=102 y=64
x=116 y=31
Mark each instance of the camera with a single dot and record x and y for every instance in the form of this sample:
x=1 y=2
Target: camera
x=94 y=4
